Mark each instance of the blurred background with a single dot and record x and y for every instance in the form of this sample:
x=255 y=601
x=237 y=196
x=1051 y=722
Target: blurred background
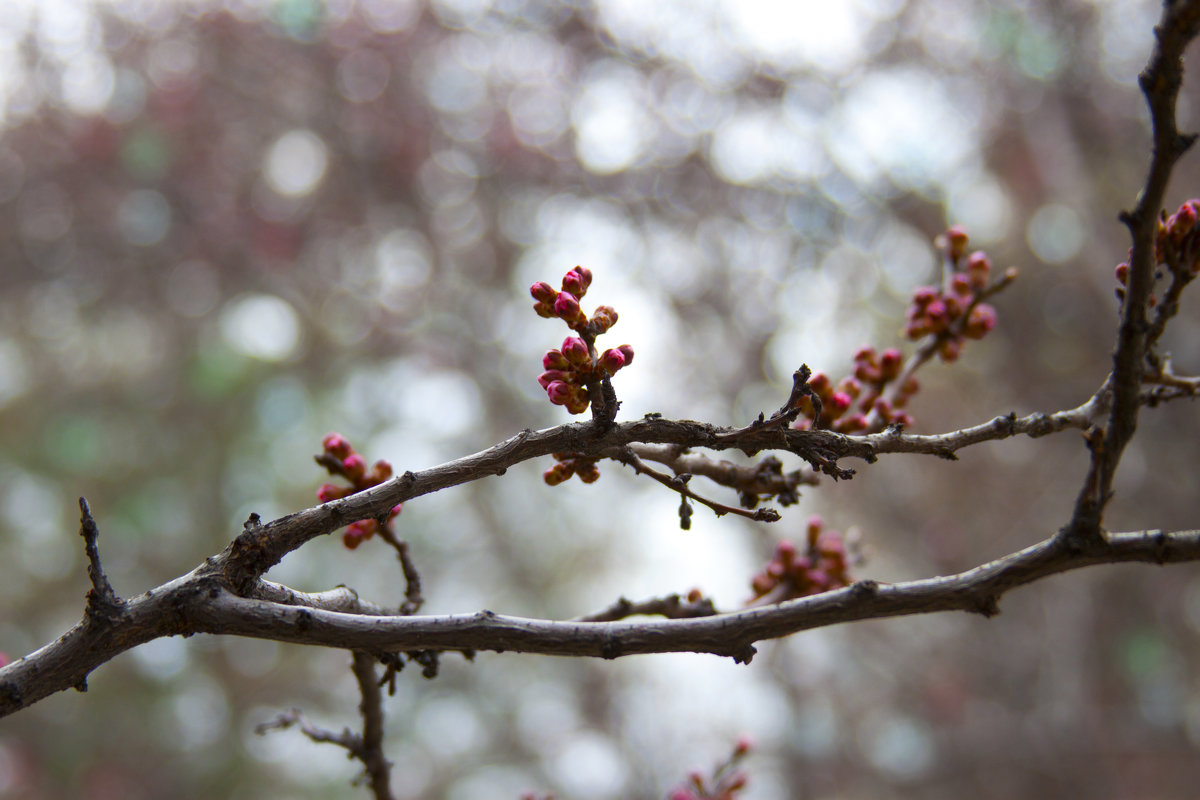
x=228 y=228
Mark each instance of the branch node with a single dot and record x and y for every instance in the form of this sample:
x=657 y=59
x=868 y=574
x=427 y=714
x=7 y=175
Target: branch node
x=986 y=604
x=744 y=655
x=861 y=590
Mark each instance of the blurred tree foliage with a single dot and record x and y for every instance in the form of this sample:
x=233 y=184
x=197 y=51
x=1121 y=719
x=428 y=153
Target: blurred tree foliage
x=228 y=228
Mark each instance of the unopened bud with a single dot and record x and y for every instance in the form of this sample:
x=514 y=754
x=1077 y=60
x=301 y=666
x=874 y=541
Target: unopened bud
x=543 y=292
x=381 y=471
x=551 y=375
x=336 y=445
x=889 y=364
x=575 y=350
x=566 y=305
x=611 y=361
x=354 y=466
x=559 y=392
x=981 y=321
x=603 y=318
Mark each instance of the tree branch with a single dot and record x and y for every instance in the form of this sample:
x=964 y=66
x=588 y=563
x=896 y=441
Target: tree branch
x=200 y=603
x=1160 y=82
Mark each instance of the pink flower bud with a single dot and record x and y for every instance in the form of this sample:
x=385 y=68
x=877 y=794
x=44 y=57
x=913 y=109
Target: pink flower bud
x=762 y=583
x=573 y=282
x=981 y=321
x=866 y=372
x=585 y=274
x=936 y=315
x=544 y=310
x=954 y=241
x=575 y=350
x=358 y=532
x=543 y=292
x=554 y=360
x=329 y=491
x=852 y=423
x=611 y=361
x=1182 y=221
x=603 y=318
x=950 y=349
x=559 y=392
x=354 y=466
x=557 y=474
x=551 y=375
x=830 y=545
x=850 y=386
x=923 y=296
x=820 y=383
x=744 y=745
x=839 y=402
x=979 y=266
x=865 y=355
x=890 y=363
x=1123 y=273
x=336 y=445
x=627 y=351
x=566 y=306
x=578 y=401
x=785 y=552
x=381 y=471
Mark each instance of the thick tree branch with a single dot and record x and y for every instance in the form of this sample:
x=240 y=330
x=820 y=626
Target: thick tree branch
x=1160 y=82
x=200 y=603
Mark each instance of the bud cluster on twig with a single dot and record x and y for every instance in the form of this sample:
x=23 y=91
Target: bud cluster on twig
x=823 y=565
x=339 y=458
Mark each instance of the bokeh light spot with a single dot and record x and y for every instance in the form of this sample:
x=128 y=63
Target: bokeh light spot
x=610 y=124
x=1055 y=233
x=88 y=81
x=261 y=326
x=144 y=217
x=296 y=163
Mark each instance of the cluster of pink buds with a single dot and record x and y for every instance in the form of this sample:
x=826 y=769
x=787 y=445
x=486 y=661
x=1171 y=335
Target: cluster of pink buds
x=847 y=405
x=1178 y=237
x=724 y=784
x=822 y=566
x=568 y=464
x=339 y=458
x=570 y=369
x=1176 y=245
x=953 y=313
x=575 y=368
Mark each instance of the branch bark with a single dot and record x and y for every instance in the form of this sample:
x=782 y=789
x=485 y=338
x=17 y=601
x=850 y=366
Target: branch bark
x=200 y=603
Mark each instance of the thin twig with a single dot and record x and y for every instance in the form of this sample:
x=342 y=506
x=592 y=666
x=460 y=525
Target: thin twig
x=371 y=754
x=102 y=600
x=678 y=483
x=672 y=606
